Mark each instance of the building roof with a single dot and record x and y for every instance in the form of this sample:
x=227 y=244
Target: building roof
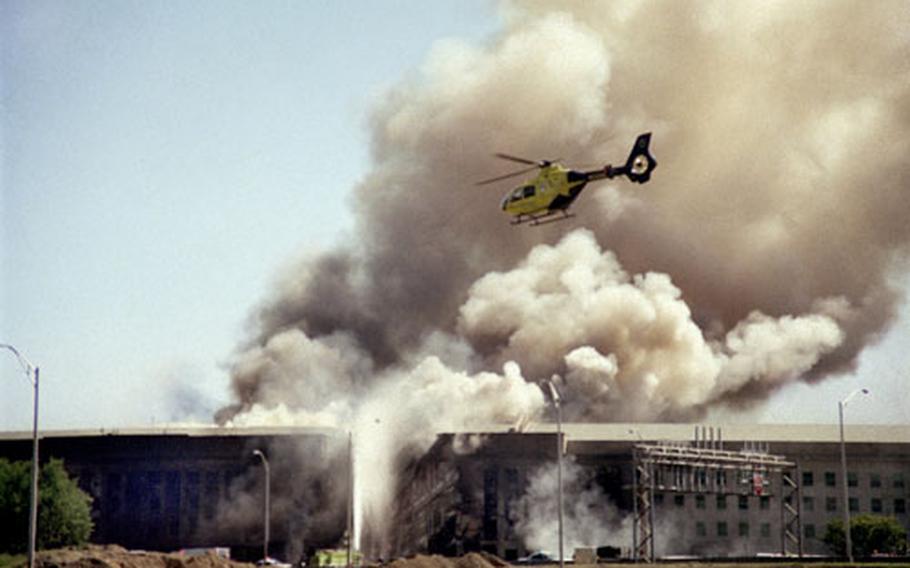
x=621 y=432
x=179 y=430
x=727 y=432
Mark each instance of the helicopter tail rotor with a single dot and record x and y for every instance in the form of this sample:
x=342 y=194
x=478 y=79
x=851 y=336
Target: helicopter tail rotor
x=641 y=163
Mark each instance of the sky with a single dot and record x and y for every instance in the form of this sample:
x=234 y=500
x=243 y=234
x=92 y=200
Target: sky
x=163 y=162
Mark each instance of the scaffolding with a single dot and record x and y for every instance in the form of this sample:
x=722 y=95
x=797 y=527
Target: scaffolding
x=705 y=468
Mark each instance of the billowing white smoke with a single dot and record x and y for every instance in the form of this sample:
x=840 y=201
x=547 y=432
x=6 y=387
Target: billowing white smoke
x=402 y=412
x=760 y=253
x=589 y=518
x=631 y=348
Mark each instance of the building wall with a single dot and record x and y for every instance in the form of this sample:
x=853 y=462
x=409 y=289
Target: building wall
x=452 y=503
x=186 y=489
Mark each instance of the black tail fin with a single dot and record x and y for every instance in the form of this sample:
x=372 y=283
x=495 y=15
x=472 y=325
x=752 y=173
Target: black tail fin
x=641 y=163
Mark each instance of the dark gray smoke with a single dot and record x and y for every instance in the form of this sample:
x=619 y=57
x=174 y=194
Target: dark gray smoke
x=762 y=252
x=782 y=135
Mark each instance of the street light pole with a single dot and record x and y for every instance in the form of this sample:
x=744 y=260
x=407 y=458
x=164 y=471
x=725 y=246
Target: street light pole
x=265 y=521
x=32 y=373
x=559 y=445
x=350 y=512
x=843 y=465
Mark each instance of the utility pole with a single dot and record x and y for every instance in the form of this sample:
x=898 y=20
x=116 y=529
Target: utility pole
x=843 y=466
x=559 y=446
x=32 y=373
x=265 y=520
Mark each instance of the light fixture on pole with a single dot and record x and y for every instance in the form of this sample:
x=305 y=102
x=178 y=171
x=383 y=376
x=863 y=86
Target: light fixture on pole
x=554 y=393
x=31 y=372
x=843 y=466
x=265 y=520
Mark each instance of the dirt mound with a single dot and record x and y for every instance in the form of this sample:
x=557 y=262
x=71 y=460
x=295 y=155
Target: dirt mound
x=470 y=560
x=111 y=556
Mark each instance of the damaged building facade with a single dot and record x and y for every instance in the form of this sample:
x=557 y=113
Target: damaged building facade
x=474 y=491
x=177 y=488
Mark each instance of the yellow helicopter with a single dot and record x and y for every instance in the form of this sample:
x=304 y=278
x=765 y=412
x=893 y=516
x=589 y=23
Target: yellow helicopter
x=547 y=197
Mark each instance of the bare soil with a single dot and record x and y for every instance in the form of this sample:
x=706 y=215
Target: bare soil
x=110 y=556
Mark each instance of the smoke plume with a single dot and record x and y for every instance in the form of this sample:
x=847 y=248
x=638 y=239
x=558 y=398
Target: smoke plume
x=589 y=518
x=761 y=252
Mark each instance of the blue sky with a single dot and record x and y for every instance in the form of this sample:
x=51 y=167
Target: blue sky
x=163 y=160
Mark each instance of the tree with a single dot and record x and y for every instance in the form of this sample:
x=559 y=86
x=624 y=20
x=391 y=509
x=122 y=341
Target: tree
x=64 y=510
x=869 y=534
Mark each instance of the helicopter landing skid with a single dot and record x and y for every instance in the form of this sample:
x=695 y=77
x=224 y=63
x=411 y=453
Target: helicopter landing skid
x=534 y=221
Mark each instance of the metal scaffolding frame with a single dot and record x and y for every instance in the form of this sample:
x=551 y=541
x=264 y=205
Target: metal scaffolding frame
x=702 y=468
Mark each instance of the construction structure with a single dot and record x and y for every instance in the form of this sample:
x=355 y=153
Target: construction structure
x=738 y=490
x=703 y=467
x=172 y=488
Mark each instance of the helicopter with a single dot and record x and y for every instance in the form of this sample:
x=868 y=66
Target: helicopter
x=547 y=197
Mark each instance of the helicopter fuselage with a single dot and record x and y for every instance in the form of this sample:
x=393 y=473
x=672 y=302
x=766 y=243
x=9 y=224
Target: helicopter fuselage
x=553 y=189
x=556 y=187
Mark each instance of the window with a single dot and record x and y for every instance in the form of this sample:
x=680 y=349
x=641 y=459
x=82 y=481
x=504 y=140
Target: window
x=900 y=506
x=852 y=480
x=743 y=502
x=700 y=529
x=807 y=479
x=679 y=500
x=831 y=504
x=743 y=528
x=809 y=531
x=699 y=501
x=876 y=505
x=765 y=530
x=830 y=479
x=721 y=478
x=721 y=502
x=898 y=480
x=854 y=507
x=722 y=528
x=808 y=504
x=529 y=191
x=875 y=480
x=658 y=499
x=764 y=503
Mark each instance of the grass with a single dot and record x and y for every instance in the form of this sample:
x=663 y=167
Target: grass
x=10 y=560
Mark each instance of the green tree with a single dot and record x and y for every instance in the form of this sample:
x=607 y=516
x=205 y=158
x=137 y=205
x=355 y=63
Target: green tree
x=64 y=510
x=869 y=534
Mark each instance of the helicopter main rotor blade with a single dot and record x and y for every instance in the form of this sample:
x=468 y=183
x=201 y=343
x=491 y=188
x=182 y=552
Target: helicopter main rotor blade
x=507 y=176
x=517 y=159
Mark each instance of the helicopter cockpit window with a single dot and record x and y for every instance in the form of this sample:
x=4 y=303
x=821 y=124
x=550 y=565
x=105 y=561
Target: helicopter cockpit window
x=516 y=195
x=529 y=191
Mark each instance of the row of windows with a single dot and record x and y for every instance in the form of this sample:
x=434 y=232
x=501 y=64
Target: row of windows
x=764 y=530
x=875 y=504
x=722 y=529
x=720 y=501
x=875 y=479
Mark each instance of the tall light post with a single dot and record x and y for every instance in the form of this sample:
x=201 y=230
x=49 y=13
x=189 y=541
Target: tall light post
x=350 y=512
x=843 y=466
x=554 y=393
x=31 y=372
x=265 y=520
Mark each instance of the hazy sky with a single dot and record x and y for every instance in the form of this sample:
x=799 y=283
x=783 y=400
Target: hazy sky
x=161 y=163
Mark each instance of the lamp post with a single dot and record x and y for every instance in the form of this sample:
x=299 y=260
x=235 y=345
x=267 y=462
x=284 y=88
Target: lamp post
x=350 y=512
x=554 y=393
x=31 y=372
x=265 y=520
x=843 y=466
